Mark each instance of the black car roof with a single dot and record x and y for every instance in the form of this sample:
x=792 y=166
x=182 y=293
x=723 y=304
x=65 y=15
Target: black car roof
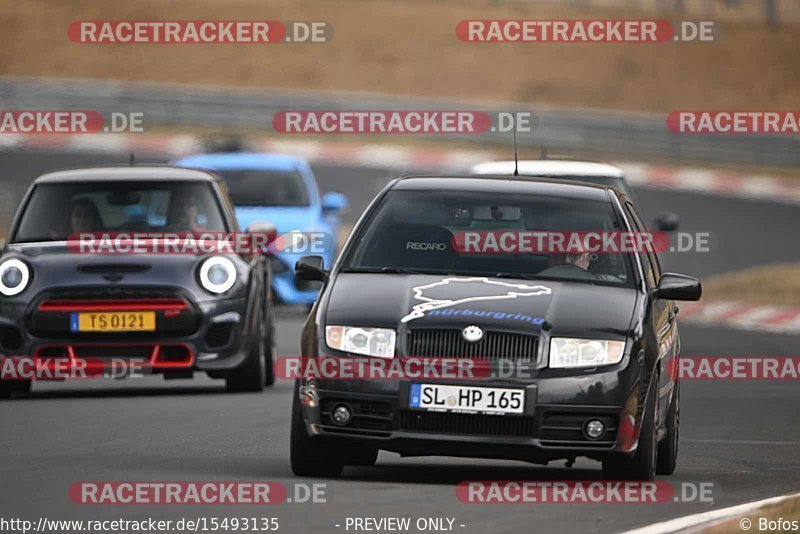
x=125 y=173
x=504 y=184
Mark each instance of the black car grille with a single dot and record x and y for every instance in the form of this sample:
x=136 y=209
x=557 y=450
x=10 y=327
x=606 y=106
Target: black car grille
x=449 y=343
x=467 y=424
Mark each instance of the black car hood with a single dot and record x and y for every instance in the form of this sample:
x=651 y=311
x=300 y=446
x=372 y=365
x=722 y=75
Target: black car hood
x=407 y=301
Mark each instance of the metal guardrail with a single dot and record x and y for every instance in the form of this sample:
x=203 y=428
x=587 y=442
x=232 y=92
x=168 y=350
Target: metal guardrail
x=612 y=134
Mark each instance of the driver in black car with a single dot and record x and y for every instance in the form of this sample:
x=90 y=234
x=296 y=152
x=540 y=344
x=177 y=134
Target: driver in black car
x=571 y=265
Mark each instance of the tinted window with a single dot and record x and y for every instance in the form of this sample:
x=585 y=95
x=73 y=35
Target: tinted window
x=265 y=188
x=647 y=264
x=414 y=230
x=55 y=211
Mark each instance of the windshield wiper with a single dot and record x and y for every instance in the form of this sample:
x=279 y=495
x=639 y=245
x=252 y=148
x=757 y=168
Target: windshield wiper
x=393 y=270
x=526 y=276
x=520 y=276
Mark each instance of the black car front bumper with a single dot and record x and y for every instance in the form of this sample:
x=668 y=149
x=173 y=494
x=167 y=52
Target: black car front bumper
x=552 y=426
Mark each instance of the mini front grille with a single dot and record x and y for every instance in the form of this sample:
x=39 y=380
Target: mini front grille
x=51 y=315
x=111 y=292
x=467 y=424
x=449 y=343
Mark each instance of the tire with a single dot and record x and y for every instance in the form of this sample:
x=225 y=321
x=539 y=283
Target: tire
x=271 y=347
x=250 y=376
x=642 y=465
x=310 y=457
x=15 y=388
x=668 y=448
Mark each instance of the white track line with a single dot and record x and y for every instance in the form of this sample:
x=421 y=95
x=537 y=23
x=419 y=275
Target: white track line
x=704 y=519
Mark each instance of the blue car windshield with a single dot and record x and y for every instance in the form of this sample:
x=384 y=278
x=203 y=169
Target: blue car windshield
x=249 y=187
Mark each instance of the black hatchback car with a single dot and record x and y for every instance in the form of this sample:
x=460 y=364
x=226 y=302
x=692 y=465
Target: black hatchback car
x=173 y=311
x=595 y=333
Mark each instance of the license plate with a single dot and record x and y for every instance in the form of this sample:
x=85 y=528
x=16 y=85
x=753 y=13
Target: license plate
x=140 y=321
x=472 y=399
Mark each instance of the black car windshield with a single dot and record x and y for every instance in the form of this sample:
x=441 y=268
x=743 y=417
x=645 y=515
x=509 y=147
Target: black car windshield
x=56 y=211
x=265 y=188
x=426 y=232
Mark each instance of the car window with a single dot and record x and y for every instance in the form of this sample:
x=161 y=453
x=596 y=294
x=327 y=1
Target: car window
x=422 y=229
x=57 y=210
x=265 y=188
x=647 y=264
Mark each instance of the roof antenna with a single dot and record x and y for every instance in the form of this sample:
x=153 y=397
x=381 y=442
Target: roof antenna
x=516 y=158
x=132 y=160
x=544 y=152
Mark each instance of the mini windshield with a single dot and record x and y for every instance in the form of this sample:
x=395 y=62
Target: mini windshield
x=56 y=211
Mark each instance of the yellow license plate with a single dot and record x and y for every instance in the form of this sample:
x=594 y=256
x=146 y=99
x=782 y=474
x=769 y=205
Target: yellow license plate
x=140 y=321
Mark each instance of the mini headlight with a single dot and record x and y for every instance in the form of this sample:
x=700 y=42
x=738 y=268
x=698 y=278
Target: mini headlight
x=14 y=277
x=378 y=342
x=217 y=274
x=570 y=352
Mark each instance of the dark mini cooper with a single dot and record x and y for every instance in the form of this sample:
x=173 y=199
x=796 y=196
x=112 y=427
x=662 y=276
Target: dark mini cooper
x=173 y=313
x=595 y=333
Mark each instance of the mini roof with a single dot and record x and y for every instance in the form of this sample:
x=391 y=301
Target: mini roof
x=127 y=173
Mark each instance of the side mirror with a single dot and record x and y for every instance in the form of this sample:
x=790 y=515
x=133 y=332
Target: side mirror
x=266 y=232
x=674 y=286
x=333 y=202
x=310 y=269
x=666 y=221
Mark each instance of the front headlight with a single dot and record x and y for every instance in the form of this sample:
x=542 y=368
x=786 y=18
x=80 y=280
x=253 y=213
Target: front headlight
x=14 y=277
x=571 y=352
x=378 y=342
x=217 y=274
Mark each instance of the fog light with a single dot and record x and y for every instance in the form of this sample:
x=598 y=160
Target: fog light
x=594 y=428
x=341 y=415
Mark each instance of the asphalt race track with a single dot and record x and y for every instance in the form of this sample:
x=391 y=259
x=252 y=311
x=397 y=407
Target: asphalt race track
x=742 y=436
